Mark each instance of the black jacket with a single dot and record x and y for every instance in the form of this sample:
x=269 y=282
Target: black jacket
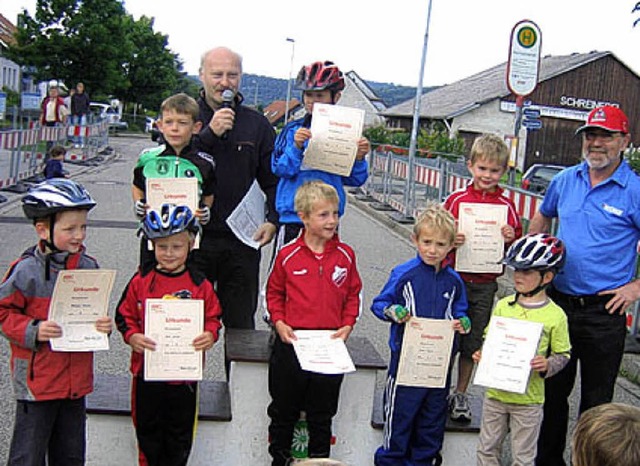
x=244 y=156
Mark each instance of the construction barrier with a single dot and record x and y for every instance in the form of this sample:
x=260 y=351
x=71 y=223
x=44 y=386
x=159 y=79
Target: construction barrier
x=432 y=179
x=22 y=151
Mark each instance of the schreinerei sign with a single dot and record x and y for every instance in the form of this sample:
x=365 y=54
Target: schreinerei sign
x=524 y=58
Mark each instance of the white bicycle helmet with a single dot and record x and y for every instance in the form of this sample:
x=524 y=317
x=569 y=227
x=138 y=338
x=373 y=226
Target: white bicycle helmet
x=536 y=252
x=169 y=220
x=55 y=195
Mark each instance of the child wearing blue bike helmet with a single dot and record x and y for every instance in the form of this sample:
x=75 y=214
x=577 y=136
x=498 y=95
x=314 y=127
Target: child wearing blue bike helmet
x=164 y=412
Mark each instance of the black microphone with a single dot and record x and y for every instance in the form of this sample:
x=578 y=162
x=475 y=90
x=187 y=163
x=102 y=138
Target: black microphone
x=227 y=102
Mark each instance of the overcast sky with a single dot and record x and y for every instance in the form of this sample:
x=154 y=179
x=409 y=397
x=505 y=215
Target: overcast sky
x=383 y=40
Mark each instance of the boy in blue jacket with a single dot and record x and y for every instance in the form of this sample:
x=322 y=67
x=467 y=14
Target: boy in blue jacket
x=320 y=82
x=415 y=417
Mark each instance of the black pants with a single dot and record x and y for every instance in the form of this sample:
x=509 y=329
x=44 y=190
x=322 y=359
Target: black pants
x=164 y=416
x=293 y=390
x=233 y=268
x=55 y=429
x=597 y=341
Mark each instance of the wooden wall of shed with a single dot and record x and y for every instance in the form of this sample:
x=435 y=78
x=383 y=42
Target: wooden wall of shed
x=604 y=80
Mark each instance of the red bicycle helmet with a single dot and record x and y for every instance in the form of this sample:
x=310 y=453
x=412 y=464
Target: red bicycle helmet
x=320 y=76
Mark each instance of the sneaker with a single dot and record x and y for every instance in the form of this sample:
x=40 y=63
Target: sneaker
x=459 y=409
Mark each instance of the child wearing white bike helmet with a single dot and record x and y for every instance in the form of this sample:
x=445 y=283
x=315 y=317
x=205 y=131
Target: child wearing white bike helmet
x=536 y=259
x=165 y=412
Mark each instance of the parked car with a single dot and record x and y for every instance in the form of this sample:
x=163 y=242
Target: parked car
x=102 y=111
x=151 y=127
x=538 y=177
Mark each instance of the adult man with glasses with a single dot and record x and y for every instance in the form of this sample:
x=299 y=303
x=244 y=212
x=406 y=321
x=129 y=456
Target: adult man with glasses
x=598 y=206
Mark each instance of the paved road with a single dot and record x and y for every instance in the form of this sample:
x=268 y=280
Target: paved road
x=111 y=239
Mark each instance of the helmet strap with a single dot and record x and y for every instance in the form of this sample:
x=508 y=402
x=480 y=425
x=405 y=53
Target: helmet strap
x=541 y=286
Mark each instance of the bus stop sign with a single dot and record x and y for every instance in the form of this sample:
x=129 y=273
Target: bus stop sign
x=524 y=58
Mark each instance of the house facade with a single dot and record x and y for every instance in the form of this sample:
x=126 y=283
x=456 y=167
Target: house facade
x=568 y=88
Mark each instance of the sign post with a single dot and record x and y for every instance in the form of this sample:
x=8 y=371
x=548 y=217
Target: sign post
x=522 y=72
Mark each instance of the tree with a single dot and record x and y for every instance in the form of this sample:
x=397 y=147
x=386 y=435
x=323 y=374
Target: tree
x=97 y=42
x=75 y=41
x=153 y=72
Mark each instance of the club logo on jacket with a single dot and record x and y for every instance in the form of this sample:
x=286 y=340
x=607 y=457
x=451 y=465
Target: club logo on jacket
x=182 y=294
x=339 y=275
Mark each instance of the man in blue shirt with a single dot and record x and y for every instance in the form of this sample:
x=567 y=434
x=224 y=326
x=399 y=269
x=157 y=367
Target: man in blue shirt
x=598 y=206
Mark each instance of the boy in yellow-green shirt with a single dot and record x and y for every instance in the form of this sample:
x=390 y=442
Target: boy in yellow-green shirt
x=536 y=259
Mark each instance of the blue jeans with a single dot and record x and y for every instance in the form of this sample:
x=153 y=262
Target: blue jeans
x=54 y=429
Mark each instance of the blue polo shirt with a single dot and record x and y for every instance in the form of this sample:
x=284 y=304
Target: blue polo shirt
x=600 y=227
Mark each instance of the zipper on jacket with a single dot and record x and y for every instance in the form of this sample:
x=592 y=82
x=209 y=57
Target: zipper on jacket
x=31 y=364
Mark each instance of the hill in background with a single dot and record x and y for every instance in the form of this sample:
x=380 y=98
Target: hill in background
x=262 y=90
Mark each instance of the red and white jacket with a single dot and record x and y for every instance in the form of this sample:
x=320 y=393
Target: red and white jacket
x=477 y=196
x=188 y=284
x=311 y=292
x=38 y=373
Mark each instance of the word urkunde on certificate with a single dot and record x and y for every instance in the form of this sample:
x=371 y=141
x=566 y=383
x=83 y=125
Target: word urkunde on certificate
x=507 y=352
x=79 y=298
x=426 y=352
x=483 y=246
x=173 y=324
x=335 y=132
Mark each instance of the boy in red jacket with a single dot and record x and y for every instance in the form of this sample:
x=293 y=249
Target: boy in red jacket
x=164 y=413
x=487 y=163
x=314 y=285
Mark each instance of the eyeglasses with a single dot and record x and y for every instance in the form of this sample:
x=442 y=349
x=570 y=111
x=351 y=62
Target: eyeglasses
x=603 y=135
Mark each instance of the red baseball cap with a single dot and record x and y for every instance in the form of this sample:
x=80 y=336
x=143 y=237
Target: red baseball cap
x=609 y=118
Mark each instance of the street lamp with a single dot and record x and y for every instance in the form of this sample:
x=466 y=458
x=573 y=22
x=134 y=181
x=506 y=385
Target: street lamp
x=255 y=95
x=286 y=107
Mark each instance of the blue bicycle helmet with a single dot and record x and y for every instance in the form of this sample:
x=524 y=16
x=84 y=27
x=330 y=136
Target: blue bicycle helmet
x=55 y=195
x=169 y=220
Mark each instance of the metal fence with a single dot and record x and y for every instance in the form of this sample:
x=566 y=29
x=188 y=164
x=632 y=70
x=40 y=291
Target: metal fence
x=22 y=151
x=431 y=179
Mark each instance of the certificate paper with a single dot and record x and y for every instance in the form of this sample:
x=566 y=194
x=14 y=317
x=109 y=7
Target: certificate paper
x=334 y=143
x=248 y=216
x=173 y=324
x=79 y=298
x=507 y=352
x=318 y=352
x=178 y=191
x=483 y=248
x=426 y=352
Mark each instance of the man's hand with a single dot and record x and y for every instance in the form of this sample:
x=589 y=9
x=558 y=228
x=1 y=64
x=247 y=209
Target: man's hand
x=301 y=136
x=343 y=332
x=285 y=332
x=48 y=329
x=477 y=356
x=622 y=297
x=222 y=121
x=363 y=148
x=139 y=343
x=265 y=233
